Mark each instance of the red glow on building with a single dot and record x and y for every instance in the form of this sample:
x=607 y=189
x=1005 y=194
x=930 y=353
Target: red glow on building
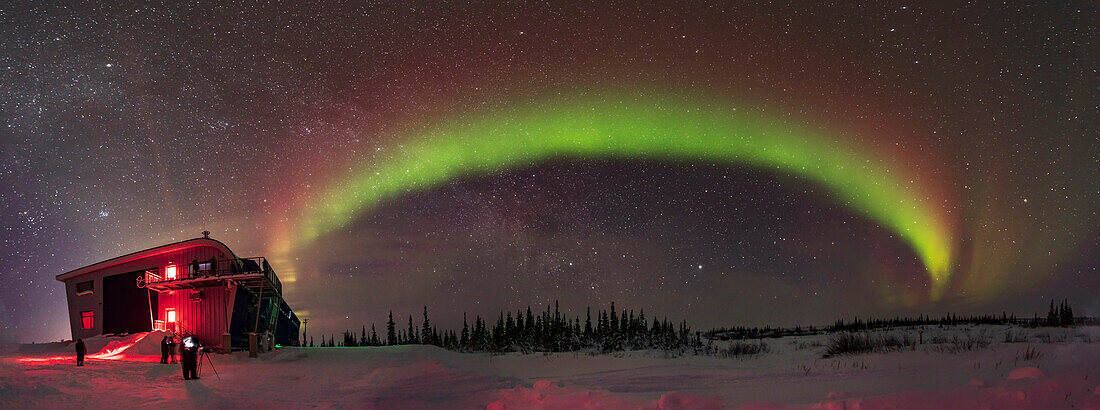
x=211 y=294
x=87 y=319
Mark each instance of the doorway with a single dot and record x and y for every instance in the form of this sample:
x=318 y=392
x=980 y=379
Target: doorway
x=126 y=307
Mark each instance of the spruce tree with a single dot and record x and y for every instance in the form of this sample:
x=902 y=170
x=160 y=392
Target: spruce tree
x=509 y=330
x=475 y=334
x=1065 y=314
x=520 y=327
x=613 y=322
x=391 y=330
x=464 y=342
x=624 y=327
x=413 y=338
x=588 y=324
x=529 y=335
x=481 y=340
x=426 y=335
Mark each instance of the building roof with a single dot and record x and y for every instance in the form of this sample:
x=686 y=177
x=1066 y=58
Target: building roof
x=133 y=256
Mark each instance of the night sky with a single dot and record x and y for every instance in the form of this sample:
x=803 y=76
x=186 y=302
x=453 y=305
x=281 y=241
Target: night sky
x=726 y=164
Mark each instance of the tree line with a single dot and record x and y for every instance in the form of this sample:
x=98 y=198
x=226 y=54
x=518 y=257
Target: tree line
x=619 y=330
x=525 y=331
x=1062 y=315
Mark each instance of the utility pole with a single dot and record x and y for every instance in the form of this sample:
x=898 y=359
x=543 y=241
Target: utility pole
x=305 y=330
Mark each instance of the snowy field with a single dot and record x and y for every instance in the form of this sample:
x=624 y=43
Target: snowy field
x=1019 y=368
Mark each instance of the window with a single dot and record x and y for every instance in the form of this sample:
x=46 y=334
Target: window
x=87 y=319
x=204 y=266
x=170 y=272
x=170 y=315
x=84 y=288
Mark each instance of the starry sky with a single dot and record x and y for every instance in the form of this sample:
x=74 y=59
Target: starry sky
x=729 y=164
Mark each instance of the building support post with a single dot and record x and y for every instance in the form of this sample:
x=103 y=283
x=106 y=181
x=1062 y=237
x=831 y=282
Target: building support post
x=275 y=327
x=259 y=303
x=253 y=343
x=149 y=296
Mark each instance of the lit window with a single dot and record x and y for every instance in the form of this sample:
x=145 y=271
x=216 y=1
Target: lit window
x=87 y=319
x=170 y=272
x=170 y=315
x=204 y=266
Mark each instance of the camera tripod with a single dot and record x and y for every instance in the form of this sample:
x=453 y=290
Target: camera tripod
x=202 y=354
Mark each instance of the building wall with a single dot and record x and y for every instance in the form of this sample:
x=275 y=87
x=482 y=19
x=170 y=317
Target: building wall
x=181 y=257
x=288 y=329
x=92 y=302
x=207 y=317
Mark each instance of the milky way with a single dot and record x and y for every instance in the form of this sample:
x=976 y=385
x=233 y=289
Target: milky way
x=128 y=127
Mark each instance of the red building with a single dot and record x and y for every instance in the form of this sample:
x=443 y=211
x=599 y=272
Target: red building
x=198 y=286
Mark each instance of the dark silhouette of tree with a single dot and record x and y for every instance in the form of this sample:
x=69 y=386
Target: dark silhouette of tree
x=549 y=331
x=464 y=342
x=413 y=338
x=1065 y=314
x=480 y=337
x=426 y=335
x=391 y=334
x=587 y=325
x=498 y=334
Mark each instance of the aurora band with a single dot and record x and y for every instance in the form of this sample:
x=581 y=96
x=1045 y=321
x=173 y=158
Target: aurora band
x=632 y=126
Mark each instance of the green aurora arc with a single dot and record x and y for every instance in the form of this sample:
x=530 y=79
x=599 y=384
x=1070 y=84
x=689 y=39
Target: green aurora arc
x=663 y=128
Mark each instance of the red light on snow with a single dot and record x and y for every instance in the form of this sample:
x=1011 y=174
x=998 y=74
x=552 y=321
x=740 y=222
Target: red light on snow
x=170 y=315
x=114 y=351
x=47 y=360
x=170 y=272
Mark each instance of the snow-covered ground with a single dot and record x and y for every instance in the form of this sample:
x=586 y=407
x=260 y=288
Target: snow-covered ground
x=1065 y=374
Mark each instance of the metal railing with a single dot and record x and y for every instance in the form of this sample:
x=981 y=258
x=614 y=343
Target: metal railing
x=213 y=268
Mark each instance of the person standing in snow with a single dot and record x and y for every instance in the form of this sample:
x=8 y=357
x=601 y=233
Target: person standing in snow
x=172 y=349
x=80 y=352
x=165 y=344
x=189 y=357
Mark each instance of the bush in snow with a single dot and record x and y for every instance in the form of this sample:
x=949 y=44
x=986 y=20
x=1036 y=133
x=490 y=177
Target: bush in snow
x=962 y=344
x=740 y=349
x=853 y=343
